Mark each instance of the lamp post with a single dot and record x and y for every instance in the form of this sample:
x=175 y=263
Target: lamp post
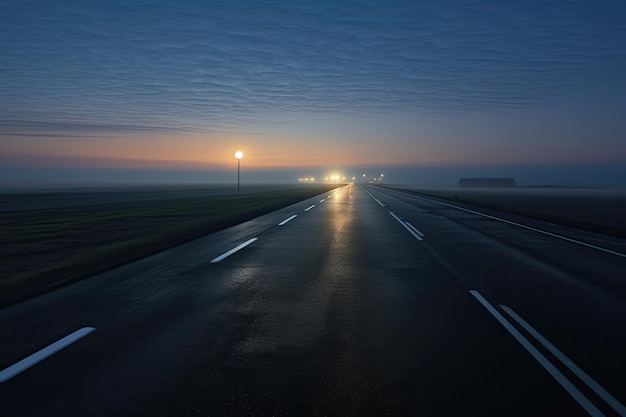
x=238 y=155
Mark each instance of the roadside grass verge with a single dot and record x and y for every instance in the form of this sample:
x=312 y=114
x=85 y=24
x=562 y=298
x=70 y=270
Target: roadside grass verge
x=44 y=249
x=596 y=213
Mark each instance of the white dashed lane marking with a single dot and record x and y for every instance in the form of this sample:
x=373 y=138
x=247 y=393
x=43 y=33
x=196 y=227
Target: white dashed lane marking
x=42 y=354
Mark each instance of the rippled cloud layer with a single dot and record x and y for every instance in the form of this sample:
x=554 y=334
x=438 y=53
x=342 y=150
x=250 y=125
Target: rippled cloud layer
x=100 y=68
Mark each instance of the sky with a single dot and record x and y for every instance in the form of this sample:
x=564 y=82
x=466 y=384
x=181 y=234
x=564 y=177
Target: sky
x=425 y=91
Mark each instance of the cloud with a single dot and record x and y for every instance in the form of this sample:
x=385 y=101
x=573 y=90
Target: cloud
x=68 y=129
x=125 y=67
x=314 y=83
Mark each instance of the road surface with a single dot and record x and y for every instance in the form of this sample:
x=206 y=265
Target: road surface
x=365 y=301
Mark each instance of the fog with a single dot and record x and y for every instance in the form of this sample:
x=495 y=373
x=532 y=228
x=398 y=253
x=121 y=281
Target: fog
x=567 y=175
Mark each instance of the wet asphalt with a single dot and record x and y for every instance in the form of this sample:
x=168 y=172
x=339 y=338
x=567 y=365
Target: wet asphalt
x=369 y=302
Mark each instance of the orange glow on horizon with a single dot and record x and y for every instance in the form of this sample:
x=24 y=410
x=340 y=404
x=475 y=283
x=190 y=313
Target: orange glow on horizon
x=204 y=151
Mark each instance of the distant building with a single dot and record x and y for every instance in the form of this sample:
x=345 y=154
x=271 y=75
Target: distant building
x=488 y=182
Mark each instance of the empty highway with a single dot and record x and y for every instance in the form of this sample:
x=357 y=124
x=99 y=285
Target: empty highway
x=364 y=301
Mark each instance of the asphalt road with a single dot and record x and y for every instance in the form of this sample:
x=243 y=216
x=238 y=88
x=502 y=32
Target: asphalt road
x=368 y=302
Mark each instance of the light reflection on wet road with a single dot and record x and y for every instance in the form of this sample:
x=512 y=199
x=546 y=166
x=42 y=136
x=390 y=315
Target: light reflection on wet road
x=340 y=311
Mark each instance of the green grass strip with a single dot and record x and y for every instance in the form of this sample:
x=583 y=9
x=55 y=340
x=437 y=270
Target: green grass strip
x=45 y=249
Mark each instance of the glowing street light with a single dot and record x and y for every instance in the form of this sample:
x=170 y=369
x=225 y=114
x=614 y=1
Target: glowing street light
x=238 y=155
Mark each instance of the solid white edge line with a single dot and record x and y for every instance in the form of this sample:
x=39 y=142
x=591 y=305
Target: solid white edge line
x=589 y=245
x=42 y=354
x=415 y=229
x=543 y=361
x=309 y=208
x=375 y=199
x=591 y=383
x=288 y=220
x=415 y=235
x=233 y=250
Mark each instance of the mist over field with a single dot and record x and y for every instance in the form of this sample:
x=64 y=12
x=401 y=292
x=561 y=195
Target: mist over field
x=599 y=175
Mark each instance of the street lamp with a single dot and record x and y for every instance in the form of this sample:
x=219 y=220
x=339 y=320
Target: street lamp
x=238 y=155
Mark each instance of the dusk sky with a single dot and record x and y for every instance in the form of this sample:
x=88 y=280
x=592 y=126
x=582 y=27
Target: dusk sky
x=425 y=91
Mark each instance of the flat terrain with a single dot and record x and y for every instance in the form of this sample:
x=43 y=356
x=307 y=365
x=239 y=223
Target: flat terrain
x=46 y=199
x=363 y=301
x=57 y=238
x=596 y=210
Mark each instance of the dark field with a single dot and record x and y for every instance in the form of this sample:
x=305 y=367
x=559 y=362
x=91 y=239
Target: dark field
x=88 y=196
x=49 y=239
x=44 y=245
x=595 y=210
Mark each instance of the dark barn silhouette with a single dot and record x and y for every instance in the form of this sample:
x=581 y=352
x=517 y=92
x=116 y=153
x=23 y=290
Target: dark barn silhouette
x=488 y=182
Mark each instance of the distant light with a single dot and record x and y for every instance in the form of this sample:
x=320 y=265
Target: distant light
x=363 y=175
x=238 y=154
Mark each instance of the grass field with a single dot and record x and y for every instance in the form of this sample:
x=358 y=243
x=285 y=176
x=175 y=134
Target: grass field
x=596 y=210
x=44 y=249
